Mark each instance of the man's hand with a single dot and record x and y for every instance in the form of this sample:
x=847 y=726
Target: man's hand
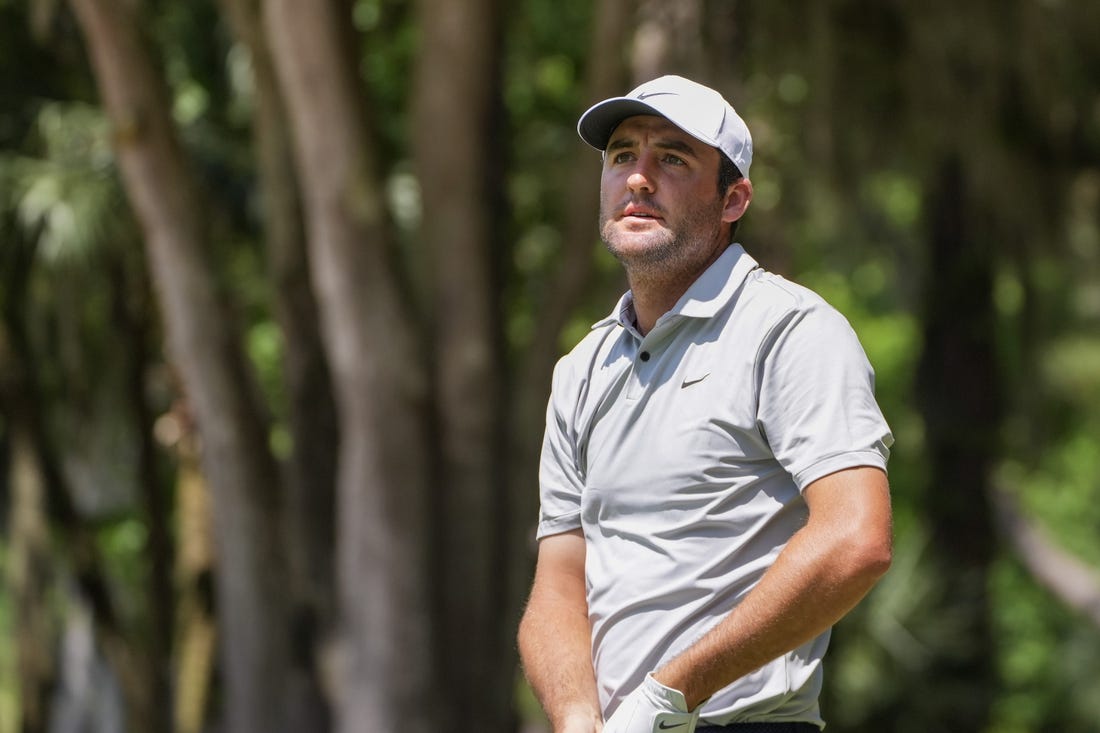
x=652 y=708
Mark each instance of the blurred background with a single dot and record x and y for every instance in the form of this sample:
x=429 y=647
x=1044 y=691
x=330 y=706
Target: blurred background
x=282 y=284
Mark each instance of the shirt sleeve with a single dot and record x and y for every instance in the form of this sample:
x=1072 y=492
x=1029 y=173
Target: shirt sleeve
x=561 y=479
x=817 y=406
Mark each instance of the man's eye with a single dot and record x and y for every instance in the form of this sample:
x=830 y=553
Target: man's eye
x=622 y=157
x=674 y=159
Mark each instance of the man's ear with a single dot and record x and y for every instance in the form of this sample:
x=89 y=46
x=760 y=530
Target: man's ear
x=738 y=197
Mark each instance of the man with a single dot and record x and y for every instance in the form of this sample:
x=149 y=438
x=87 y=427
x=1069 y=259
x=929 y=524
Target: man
x=713 y=481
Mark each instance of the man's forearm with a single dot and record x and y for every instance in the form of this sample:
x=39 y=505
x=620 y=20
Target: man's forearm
x=821 y=574
x=783 y=612
x=555 y=648
x=555 y=637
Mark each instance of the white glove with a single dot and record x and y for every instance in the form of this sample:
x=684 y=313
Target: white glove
x=652 y=708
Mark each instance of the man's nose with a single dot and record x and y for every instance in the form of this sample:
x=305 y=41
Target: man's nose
x=639 y=180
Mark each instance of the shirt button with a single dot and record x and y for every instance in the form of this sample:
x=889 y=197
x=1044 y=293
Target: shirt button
x=644 y=356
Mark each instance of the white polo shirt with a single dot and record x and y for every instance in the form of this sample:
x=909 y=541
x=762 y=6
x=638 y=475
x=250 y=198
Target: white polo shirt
x=682 y=455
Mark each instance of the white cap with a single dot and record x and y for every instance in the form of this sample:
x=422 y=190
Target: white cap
x=697 y=110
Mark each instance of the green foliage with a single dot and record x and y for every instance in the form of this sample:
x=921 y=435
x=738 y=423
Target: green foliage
x=67 y=196
x=264 y=346
x=389 y=43
x=1047 y=661
x=545 y=60
x=1061 y=490
x=122 y=541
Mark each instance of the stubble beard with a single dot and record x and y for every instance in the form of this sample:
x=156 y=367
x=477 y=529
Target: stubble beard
x=676 y=252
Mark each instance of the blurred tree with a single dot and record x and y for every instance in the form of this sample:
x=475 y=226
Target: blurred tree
x=458 y=119
x=961 y=404
x=310 y=473
x=205 y=348
x=380 y=377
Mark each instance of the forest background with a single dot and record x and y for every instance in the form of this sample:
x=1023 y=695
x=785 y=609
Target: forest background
x=282 y=284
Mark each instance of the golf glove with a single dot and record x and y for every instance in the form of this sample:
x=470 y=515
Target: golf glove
x=652 y=708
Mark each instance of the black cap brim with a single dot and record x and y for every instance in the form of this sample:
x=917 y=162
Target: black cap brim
x=596 y=125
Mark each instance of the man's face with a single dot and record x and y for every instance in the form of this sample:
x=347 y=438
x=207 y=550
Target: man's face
x=660 y=210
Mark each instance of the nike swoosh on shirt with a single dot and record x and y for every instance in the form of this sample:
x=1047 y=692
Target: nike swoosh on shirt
x=696 y=380
x=662 y=725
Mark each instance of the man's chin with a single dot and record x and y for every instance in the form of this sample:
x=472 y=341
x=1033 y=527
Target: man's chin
x=637 y=253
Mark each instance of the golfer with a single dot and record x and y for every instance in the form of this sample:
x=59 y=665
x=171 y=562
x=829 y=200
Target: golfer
x=713 y=474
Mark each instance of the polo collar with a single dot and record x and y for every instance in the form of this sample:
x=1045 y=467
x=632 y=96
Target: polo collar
x=710 y=292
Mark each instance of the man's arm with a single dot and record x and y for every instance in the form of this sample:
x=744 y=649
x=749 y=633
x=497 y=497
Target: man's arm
x=822 y=573
x=555 y=641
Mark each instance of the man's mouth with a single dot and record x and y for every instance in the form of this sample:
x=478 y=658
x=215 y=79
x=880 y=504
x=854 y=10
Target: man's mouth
x=634 y=211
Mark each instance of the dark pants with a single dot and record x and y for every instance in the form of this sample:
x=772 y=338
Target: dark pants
x=760 y=728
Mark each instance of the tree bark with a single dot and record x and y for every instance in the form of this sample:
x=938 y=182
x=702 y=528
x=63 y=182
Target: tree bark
x=311 y=467
x=458 y=123
x=383 y=657
x=197 y=629
x=235 y=455
x=668 y=40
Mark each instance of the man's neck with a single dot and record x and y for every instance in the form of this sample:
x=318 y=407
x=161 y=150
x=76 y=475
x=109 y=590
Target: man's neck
x=651 y=301
x=656 y=293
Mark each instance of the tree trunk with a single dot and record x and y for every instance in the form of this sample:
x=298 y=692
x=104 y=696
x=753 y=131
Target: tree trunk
x=458 y=123
x=311 y=470
x=29 y=577
x=384 y=661
x=197 y=629
x=961 y=404
x=668 y=40
x=235 y=455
